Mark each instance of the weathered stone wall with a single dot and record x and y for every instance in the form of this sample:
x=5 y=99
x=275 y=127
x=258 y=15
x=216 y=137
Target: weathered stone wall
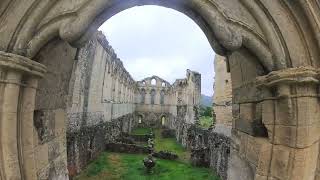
x=157 y=99
x=210 y=149
x=96 y=100
x=249 y=134
x=101 y=102
x=222 y=97
x=50 y=117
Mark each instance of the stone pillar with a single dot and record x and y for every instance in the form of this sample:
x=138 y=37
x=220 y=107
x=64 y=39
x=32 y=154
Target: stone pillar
x=18 y=83
x=292 y=120
x=222 y=99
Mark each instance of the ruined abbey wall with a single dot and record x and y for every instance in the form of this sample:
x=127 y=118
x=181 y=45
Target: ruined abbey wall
x=101 y=102
x=104 y=101
x=153 y=102
x=97 y=99
x=158 y=102
x=222 y=97
x=77 y=112
x=50 y=117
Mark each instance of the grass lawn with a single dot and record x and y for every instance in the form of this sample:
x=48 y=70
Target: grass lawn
x=170 y=144
x=116 y=166
x=121 y=166
x=141 y=131
x=206 y=121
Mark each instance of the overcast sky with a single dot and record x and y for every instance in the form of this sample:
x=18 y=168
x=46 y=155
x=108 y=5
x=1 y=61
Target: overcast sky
x=152 y=40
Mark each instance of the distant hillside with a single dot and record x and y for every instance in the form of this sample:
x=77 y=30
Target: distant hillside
x=206 y=100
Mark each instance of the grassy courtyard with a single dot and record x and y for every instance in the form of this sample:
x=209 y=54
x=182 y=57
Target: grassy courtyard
x=121 y=166
x=116 y=166
x=170 y=144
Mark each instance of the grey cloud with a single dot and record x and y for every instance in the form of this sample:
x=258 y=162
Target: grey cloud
x=153 y=40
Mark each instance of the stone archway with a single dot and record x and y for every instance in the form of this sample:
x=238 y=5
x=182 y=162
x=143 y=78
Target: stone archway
x=163 y=120
x=141 y=118
x=272 y=49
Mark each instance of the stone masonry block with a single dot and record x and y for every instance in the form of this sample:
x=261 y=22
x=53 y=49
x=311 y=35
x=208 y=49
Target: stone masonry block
x=268 y=112
x=308 y=111
x=285 y=135
x=307 y=135
x=247 y=112
x=42 y=157
x=285 y=113
x=60 y=121
x=253 y=150
x=304 y=163
x=264 y=158
x=280 y=162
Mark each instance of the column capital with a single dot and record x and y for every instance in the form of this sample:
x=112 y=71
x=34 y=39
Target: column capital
x=22 y=64
x=289 y=76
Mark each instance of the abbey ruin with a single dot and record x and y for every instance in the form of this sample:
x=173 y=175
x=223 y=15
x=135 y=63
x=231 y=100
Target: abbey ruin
x=105 y=101
x=56 y=116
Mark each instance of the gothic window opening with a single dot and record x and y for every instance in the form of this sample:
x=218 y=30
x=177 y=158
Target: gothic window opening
x=140 y=119
x=153 y=82
x=163 y=120
x=162 y=97
x=153 y=95
x=143 y=96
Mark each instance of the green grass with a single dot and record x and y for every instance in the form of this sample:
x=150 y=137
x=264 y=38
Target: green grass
x=141 y=131
x=206 y=121
x=97 y=166
x=116 y=166
x=170 y=144
x=121 y=166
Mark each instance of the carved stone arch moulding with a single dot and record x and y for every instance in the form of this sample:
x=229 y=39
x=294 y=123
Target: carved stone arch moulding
x=228 y=25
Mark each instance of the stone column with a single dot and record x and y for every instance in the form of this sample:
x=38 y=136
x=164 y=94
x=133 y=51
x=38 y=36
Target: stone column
x=18 y=83
x=291 y=117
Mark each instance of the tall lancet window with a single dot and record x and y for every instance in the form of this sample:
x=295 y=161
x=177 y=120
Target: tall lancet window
x=143 y=96
x=153 y=95
x=162 y=97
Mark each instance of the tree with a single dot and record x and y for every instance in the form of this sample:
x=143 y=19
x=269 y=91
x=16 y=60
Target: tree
x=206 y=111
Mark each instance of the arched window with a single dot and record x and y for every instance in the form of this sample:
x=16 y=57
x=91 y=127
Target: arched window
x=163 y=84
x=140 y=117
x=153 y=82
x=153 y=95
x=162 y=97
x=143 y=96
x=163 y=120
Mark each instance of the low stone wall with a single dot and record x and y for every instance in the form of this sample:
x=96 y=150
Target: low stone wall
x=209 y=149
x=85 y=144
x=141 y=138
x=165 y=155
x=168 y=133
x=127 y=148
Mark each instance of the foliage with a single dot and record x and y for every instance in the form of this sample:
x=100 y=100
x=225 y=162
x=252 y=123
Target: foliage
x=206 y=121
x=205 y=111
